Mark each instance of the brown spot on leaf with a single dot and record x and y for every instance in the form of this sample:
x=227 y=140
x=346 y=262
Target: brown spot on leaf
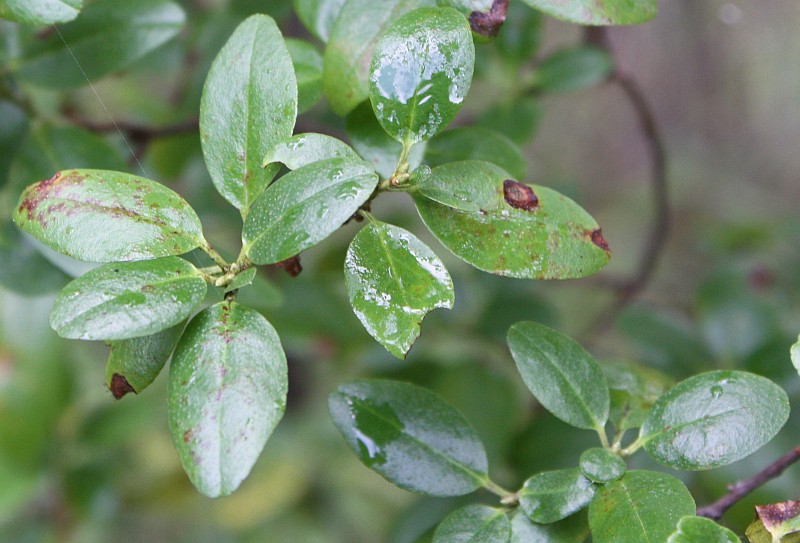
x=148 y=288
x=519 y=195
x=187 y=435
x=488 y=24
x=119 y=386
x=599 y=240
x=777 y=513
x=291 y=266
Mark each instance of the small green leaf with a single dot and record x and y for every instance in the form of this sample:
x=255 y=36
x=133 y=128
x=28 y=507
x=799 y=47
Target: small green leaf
x=128 y=299
x=227 y=392
x=393 y=280
x=474 y=524
x=318 y=16
x=249 y=105
x=701 y=530
x=304 y=207
x=133 y=364
x=641 y=507
x=572 y=70
x=634 y=390
x=409 y=436
x=40 y=12
x=242 y=280
x=520 y=36
x=470 y=185
x=573 y=529
x=421 y=72
x=713 y=419
x=307 y=61
x=554 y=495
x=108 y=36
x=102 y=216
x=561 y=375
x=591 y=12
x=476 y=143
x=303 y=149
x=601 y=465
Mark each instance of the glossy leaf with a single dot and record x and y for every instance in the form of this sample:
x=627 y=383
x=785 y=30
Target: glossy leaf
x=133 y=364
x=346 y=65
x=125 y=300
x=394 y=280
x=249 y=105
x=701 y=530
x=243 y=279
x=573 y=529
x=409 y=436
x=476 y=143
x=555 y=240
x=601 y=465
x=40 y=12
x=470 y=185
x=304 y=207
x=561 y=375
x=108 y=36
x=714 y=419
x=102 y=216
x=572 y=70
x=421 y=72
x=634 y=390
x=554 y=495
x=641 y=507
x=227 y=392
x=318 y=16
x=304 y=149
x=474 y=524
x=591 y=12
x=307 y=61
x=23 y=269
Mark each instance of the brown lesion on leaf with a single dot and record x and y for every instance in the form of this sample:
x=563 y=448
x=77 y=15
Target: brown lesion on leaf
x=489 y=24
x=519 y=196
x=777 y=513
x=290 y=265
x=597 y=238
x=187 y=435
x=120 y=386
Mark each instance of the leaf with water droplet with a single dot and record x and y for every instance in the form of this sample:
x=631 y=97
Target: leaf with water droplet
x=476 y=143
x=410 y=436
x=474 y=524
x=304 y=207
x=40 y=12
x=469 y=185
x=227 y=392
x=303 y=149
x=394 y=280
x=701 y=530
x=554 y=495
x=592 y=12
x=713 y=419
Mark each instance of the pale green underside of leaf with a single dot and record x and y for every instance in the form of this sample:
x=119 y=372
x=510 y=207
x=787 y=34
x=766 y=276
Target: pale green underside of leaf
x=474 y=524
x=303 y=149
x=598 y=12
x=40 y=12
x=140 y=360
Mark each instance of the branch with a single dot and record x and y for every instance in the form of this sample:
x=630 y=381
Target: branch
x=741 y=489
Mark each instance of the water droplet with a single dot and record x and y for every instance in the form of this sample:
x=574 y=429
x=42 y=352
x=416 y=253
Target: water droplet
x=716 y=391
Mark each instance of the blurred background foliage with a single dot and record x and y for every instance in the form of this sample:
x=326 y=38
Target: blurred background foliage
x=76 y=466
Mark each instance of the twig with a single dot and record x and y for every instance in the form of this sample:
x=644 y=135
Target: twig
x=741 y=489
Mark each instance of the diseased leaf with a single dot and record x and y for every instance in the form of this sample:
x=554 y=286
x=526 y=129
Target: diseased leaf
x=125 y=300
x=758 y=533
x=474 y=524
x=304 y=149
x=600 y=465
x=701 y=530
x=570 y=70
x=470 y=185
x=592 y=12
x=318 y=16
x=780 y=519
x=476 y=143
x=227 y=392
x=393 y=280
x=551 y=496
x=307 y=61
x=409 y=436
x=102 y=216
x=40 y=12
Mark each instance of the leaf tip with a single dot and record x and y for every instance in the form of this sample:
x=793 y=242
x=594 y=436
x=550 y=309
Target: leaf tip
x=119 y=386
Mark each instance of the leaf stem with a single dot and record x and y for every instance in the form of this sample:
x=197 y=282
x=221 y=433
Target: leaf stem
x=601 y=432
x=215 y=256
x=633 y=447
x=506 y=497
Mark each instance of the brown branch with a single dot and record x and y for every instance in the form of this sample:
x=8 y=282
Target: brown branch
x=741 y=489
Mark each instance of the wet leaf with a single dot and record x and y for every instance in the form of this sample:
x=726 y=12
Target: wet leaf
x=227 y=392
x=318 y=16
x=40 y=12
x=103 y=216
x=303 y=149
x=570 y=70
x=421 y=72
x=394 y=280
x=591 y=12
x=125 y=300
x=470 y=185
x=561 y=375
x=476 y=143
x=641 y=507
x=551 y=496
x=307 y=61
x=573 y=529
x=601 y=465
x=474 y=524
x=713 y=419
x=409 y=436
x=249 y=105
x=701 y=530
x=304 y=207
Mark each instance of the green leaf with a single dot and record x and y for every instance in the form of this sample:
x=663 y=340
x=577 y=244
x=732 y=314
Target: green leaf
x=572 y=70
x=713 y=419
x=641 y=507
x=346 y=64
x=125 y=300
x=409 y=436
x=227 y=392
x=758 y=533
x=466 y=6
x=601 y=465
x=242 y=280
x=795 y=355
x=394 y=280
x=591 y=12
x=554 y=495
x=304 y=207
x=573 y=529
x=40 y=12
x=561 y=375
x=521 y=35
x=108 y=36
x=133 y=364
x=304 y=149
x=634 y=390
x=470 y=185
x=780 y=519
x=307 y=61
x=701 y=530
x=556 y=239
x=23 y=269
x=476 y=143
x=102 y=216
x=517 y=119
x=474 y=524
x=318 y=16
x=421 y=72
x=249 y=105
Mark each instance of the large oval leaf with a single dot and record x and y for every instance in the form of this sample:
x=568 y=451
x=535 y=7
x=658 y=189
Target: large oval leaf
x=304 y=207
x=128 y=299
x=421 y=72
x=40 y=12
x=641 y=507
x=227 y=392
x=394 y=280
x=249 y=105
x=702 y=530
x=561 y=374
x=714 y=419
x=476 y=143
x=474 y=524
x=592 y=12
x=554 y=495
x=536 y=235
x=103 y=216
x=108 y=36
x=410 y=436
